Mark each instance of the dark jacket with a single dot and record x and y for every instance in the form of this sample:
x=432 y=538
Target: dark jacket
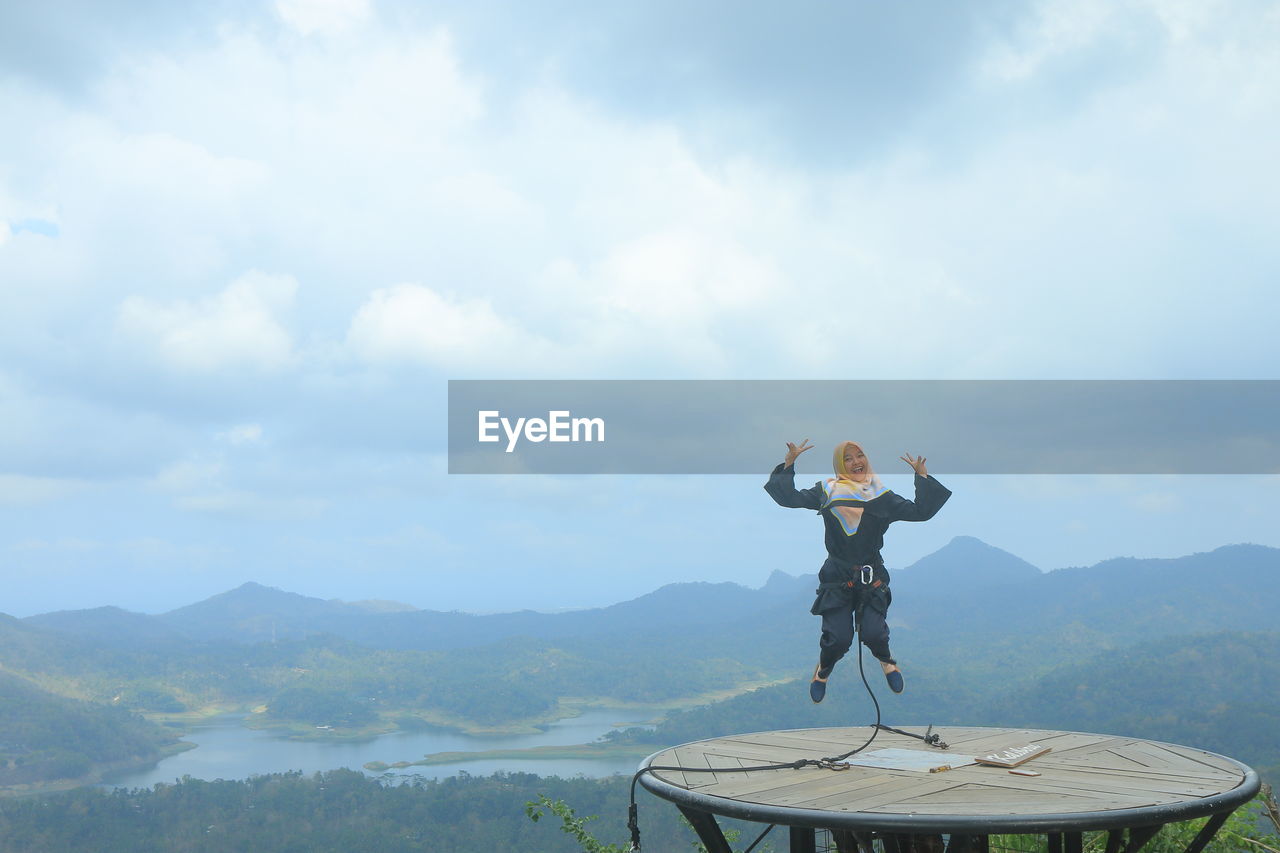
x=848 y=550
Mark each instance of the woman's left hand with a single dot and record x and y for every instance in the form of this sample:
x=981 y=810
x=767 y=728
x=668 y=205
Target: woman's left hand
x=916 y=463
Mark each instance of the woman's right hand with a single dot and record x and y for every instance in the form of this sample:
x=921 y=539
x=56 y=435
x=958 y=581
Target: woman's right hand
x=793 y=451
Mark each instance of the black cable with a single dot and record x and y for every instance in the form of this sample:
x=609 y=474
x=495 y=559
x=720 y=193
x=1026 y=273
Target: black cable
x=930 y=737
x=875 y=730
x=831 y=763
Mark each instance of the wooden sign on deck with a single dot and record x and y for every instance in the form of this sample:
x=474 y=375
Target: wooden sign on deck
x=1013 y=756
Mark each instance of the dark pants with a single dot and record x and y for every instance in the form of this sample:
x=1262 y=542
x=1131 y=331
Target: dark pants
x=870 y=605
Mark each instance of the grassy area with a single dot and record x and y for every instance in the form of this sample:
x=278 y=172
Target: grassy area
x=193 y=717
x=567 y=707
x=298 y=730
x=400 y=720
x=586 y=750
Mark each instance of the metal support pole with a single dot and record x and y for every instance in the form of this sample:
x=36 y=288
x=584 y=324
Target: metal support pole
x=803 y=840
x=1055 y=842
x=1075 y=842
x=1139 y=836
x=1115 y=840
x=968 y=843
x=1210 y=830
x=708 y=830
x=845 y=841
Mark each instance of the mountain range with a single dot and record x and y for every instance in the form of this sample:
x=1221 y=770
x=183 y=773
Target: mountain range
x=964 y=588
x=978 y=629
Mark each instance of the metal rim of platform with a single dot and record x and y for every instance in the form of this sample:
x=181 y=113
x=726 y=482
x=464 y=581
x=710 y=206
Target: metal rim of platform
x=984 y=824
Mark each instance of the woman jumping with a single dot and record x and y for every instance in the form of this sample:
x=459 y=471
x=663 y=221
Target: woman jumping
x=856 y=510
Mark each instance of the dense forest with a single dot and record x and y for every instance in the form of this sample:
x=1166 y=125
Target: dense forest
x=527 y=677
x=43 y=736
x=341 y=811
x=346 y=812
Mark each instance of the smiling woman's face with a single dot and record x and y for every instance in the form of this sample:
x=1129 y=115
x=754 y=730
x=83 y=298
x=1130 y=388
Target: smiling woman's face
x=855 y=464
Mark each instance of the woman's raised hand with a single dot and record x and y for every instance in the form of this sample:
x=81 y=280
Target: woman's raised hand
x=916 y=463
x=794 y=451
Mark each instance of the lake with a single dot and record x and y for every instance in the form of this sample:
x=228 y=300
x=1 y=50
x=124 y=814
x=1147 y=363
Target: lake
x=227 y=750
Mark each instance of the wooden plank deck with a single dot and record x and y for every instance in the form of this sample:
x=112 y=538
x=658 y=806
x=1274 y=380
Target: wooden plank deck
x=1083 y=773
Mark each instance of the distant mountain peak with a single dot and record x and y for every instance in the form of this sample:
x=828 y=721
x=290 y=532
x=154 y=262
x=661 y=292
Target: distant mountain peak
x=778 y=578
x=967 y=561
x=255 y=587
x=1243 y=548
x=970 y=542
x=256 y=593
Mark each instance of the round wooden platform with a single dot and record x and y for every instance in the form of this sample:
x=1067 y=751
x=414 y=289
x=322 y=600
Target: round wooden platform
x=1086 y=781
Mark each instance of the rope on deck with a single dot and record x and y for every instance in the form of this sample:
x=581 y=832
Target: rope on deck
x=834 y=762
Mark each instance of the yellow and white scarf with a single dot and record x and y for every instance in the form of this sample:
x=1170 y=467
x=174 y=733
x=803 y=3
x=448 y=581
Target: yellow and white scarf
x=843 y=487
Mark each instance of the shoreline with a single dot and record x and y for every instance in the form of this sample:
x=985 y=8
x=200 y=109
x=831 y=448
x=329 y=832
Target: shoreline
x=409 y=720
x=532 y=753
x=250 y=716
x=97 y=774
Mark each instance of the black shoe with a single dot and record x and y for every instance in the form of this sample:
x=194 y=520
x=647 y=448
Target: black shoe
x=895 y=681
x=818 y=686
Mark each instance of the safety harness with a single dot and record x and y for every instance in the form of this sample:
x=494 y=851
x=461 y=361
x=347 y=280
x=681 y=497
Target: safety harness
x=865 y=575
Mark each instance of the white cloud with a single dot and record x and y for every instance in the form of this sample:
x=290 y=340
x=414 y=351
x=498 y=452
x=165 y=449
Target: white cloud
x=245 y=504
x=542 y=228
x=237 y=328
x=416 y=538
x=1043 y=216
x=189 y=475
x=683 y=278
x=209 y=485
x=242 y=434
x=322 y=16
x=411 y=323
x=22 y=490
x=1057 y=28
x=1159 y=502
x=576 y=237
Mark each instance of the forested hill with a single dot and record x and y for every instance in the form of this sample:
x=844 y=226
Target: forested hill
x=1236 y=587
x=340 y=811
x=43 y=736
x=968 y=587
x=111 y=625
x=1216 y=692
x=253 y=613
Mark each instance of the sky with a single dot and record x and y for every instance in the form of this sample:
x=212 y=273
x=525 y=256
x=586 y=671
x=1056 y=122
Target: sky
x=245 y=245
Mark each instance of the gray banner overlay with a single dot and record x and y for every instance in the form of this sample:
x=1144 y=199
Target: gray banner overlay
x=962 y=427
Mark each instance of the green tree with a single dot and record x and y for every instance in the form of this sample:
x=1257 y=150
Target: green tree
x=570 y=824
